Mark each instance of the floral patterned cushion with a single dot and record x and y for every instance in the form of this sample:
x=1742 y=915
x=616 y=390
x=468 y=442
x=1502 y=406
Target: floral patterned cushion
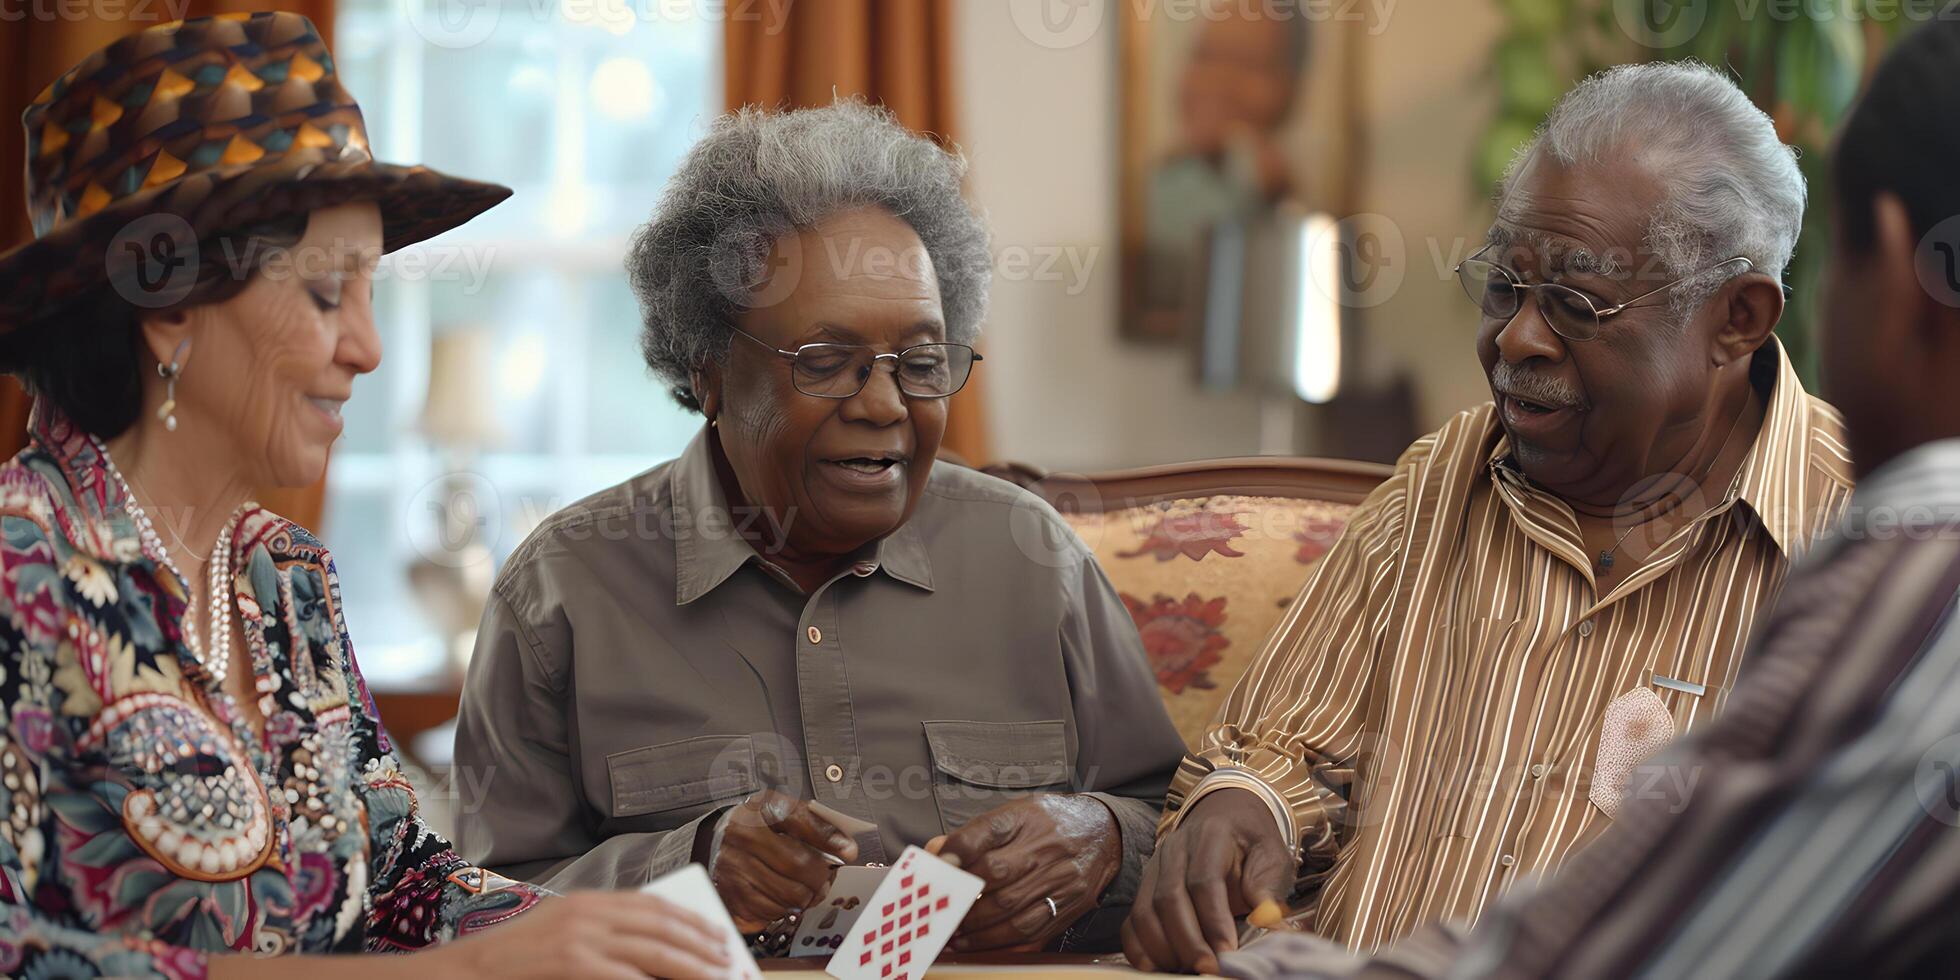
x=1206 y=580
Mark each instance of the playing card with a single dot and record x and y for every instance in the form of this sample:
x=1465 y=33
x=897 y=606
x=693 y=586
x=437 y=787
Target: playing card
x=843 y=821
x=907 y=921
x=824 y=925
x=690 y=889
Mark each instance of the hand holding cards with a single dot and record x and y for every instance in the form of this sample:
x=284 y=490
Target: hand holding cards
x=690 y=889
x=822 y=929
x=907 y=920
x=776 y=856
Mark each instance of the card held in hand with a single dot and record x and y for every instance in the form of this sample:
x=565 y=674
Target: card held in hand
x=823 y=927
x=907 y=921
x=690 y=889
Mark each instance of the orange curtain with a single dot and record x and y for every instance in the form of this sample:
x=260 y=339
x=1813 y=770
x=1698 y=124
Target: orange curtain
x=895 y=53
x=33 y=51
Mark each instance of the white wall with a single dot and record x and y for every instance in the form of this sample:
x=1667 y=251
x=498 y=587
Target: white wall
x=1064 y=391
x=1040 y=126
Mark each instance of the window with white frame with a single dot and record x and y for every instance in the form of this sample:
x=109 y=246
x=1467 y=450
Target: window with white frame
x=539 y=392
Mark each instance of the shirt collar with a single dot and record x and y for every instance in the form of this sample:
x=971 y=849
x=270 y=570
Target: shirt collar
x=711 y=544
x=1771 y=481
x=99 y=524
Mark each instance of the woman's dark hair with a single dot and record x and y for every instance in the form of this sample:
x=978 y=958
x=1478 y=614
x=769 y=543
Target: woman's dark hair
x=88 y=360
x=1904 y=136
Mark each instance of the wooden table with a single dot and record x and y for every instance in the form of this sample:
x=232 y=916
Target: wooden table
x=953 y=967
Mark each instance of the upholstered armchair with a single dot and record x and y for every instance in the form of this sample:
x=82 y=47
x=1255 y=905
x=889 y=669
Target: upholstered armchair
x=1206 y=555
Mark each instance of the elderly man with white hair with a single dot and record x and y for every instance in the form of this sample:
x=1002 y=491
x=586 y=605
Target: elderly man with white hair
x=1552 y=585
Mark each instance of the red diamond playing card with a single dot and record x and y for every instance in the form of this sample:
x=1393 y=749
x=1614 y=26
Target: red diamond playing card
x=907 y=921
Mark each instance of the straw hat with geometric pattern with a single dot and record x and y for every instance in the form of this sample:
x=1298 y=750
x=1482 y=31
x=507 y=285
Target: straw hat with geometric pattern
x=191 y=129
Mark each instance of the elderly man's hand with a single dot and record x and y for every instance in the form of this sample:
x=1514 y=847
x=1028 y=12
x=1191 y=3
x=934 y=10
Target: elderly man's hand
x=1226 y=858
x=1066 y=848
x=771 y=859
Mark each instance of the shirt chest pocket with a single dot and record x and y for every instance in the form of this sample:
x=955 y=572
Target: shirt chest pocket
x=680 y=780
x=979 y=765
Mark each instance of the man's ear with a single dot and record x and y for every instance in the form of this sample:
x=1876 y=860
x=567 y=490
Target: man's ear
x=1929 y=318
x=1754 y=304
x=706 y=383
x=164 y=332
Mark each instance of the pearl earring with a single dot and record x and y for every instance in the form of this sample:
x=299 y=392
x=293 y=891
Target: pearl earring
x=169 y=373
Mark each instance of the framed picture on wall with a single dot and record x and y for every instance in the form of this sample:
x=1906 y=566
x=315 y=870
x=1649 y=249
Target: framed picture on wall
x=1230 y=110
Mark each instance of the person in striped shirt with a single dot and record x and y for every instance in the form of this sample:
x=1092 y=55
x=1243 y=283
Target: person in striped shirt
x=1811 y=829
x=1555 y=583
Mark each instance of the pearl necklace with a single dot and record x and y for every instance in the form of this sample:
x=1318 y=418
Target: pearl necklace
x=218 y=662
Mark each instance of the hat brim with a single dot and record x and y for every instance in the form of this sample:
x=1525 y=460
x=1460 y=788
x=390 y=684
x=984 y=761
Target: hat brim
x=43 y=278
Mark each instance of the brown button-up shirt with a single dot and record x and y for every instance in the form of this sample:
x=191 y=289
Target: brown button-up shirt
x=1819 y=840
x=641 y=667
x=1450 y=705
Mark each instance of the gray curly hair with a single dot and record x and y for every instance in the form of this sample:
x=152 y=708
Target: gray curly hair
x=759 y=175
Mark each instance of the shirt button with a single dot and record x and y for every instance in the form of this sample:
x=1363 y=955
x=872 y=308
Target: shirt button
x=834 y=773
x=1507 y=860
x=1586 y=628
x=816 y=635
x=863 y=568
x=1538 y=771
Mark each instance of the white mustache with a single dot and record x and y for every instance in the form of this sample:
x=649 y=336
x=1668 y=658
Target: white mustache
x=1511 y=379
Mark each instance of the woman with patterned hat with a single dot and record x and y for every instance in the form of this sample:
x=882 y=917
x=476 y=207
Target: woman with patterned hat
x=190 y=764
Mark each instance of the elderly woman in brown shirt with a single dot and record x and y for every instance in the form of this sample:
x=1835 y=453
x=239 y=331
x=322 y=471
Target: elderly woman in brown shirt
x=804 y=621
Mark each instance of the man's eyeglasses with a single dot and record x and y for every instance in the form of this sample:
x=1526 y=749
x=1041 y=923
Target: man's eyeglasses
x=1499 y=292
x=842 y=370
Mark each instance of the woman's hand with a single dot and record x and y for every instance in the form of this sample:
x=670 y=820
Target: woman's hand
x=1065 y=848
x=613 y=935
x=771 y=861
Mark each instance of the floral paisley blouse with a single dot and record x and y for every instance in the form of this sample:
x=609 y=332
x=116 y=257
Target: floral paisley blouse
x=143 y=823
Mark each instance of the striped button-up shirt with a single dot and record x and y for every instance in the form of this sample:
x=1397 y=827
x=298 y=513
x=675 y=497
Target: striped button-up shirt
x=1812 y=829
x=1450 y=704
